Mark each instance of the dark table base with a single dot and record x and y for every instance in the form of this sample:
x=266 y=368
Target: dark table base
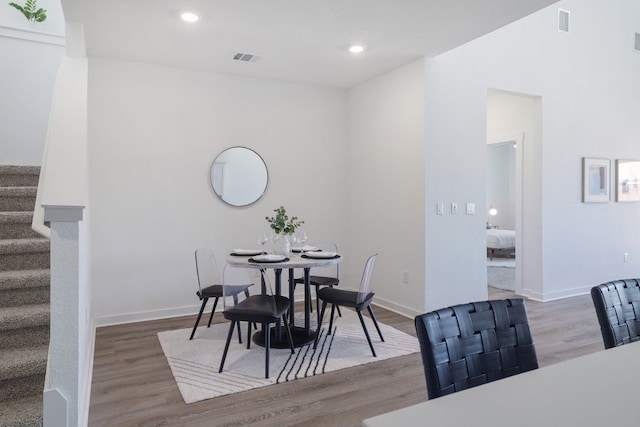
x=299 y=335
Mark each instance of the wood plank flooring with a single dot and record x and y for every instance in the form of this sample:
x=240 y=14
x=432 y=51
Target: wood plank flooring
x=133 y=385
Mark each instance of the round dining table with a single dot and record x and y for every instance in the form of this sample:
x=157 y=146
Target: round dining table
x=301 y=335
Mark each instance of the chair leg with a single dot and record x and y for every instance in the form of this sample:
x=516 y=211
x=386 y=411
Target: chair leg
x=215 y=303
x=204 y=302
x=239 y=334
x=333 y=313
x=315 y=342
x=286 y=325
x=366 y=332
x=249 y=335
x=375 y=322
x=246 y=294
x=226 y=345
x=267 y=345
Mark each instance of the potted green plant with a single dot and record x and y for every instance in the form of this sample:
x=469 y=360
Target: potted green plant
x=31 y=11
x=281 y=224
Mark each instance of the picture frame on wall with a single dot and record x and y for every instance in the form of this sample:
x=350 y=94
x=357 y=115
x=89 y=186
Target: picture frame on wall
x=627 y=180
x=595 y=180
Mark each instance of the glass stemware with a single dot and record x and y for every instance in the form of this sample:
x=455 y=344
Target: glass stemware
x=263 y=239
x=301 y=235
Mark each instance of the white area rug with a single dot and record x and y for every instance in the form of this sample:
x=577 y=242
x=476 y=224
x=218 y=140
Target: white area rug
x=195 y=363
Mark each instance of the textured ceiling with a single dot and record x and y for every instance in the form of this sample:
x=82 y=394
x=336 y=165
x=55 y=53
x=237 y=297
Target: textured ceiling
x=301 y=41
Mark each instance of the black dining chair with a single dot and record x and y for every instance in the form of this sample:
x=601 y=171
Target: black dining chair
x=471 y=344
x=264 y=309
x=617 y=306
x=322 y=276
x=358 y=300
x=210 y=285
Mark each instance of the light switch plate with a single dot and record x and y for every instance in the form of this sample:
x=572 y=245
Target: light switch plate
x=439 y=208
x=471 y=208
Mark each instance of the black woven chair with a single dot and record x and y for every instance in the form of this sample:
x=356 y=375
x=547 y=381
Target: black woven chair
x=617 y=306
x=472 y=344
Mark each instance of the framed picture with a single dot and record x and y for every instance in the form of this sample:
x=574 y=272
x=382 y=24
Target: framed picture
x=595 y=180
x=628 y=180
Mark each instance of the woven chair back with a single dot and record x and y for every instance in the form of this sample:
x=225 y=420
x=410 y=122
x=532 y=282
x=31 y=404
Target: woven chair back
x=472 y=344
x=617 y=306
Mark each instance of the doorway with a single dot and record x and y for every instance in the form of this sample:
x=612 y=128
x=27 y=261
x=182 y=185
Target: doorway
x=514 y=130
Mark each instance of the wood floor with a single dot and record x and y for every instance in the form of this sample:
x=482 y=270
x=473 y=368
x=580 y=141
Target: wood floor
x=133 y=385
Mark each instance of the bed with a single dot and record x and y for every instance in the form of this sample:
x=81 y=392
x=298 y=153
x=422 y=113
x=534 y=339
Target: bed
x=500 y=240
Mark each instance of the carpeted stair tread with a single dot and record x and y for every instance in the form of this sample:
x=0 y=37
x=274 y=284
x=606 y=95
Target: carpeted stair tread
x=19 y=176
x=22 y=279
x=24 y=316
x=18 y=191
x=17 y=225
x=24 y=246
x=23 y=362
x=16 y=217
x=26 y=412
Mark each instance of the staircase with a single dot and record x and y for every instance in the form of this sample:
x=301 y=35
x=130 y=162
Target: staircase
x=24 y=300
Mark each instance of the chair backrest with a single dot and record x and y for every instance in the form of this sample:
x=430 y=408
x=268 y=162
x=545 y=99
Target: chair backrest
x=236 y=280
x=365 y=282
x=617 y=306
x=471 y=344
x=206 y=268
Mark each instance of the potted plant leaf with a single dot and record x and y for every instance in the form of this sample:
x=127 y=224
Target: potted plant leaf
x=31 y=11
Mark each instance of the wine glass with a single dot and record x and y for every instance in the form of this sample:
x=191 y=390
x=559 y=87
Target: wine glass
x=273 y=237
x=263 y=239
x=301 y=235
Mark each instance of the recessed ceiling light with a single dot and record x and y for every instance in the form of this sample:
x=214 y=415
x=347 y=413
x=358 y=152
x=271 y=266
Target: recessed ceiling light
x=356 y=49
x=189 y=17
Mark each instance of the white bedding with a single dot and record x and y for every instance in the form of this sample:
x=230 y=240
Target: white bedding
x=500 y=239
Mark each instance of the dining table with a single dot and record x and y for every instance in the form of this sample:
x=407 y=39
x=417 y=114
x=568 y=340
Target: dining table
x=302 y=335
x=598 y=389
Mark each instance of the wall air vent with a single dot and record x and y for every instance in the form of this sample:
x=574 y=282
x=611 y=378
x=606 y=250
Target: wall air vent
x=637 y=42
x=245 y=57
x=563 y=20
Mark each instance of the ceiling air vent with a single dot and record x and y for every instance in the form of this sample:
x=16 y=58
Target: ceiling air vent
x=245 y=57
x=637 y=42
x=563 y=20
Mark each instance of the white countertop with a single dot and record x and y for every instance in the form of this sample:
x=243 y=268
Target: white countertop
x=600 y=389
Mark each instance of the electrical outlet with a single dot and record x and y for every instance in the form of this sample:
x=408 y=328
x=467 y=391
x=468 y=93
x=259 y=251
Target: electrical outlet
x=626 y=257
x=454 y=208
x=405 y=277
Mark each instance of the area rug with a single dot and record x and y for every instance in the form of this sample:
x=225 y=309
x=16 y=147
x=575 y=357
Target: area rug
x=501 y=278
x=195 y=363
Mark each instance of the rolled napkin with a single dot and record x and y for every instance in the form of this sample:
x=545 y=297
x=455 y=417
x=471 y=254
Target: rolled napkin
x=269 y=257
x=247 y=251
x=305 y=248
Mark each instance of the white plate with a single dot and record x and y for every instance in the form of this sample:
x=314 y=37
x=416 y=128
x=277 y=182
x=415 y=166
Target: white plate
x=247 y=251
x=269 y=258
x=320 y=254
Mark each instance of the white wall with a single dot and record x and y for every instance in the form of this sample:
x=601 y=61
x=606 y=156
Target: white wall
x=386 y=185
x=588 y=81
x=153 y=135
x=29 y=57
x=28 y=71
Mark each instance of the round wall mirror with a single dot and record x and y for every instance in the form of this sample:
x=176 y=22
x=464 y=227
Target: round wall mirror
x=239 y=176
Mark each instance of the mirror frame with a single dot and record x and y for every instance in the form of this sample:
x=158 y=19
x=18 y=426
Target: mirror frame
x=263 y=189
